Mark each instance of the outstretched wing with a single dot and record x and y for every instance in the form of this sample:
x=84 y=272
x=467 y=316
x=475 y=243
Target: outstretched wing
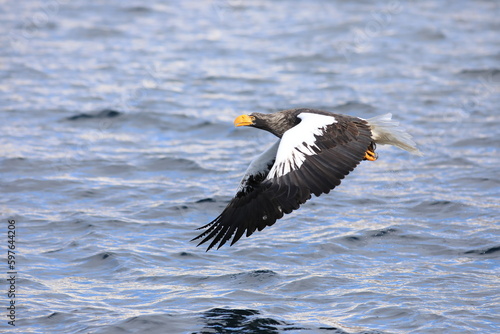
x=250 y=187
x=312 y=158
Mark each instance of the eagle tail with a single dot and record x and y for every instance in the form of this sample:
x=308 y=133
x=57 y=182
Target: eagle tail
x=385 y=131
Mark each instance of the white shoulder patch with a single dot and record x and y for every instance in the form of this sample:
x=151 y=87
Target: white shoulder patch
x=298 y=143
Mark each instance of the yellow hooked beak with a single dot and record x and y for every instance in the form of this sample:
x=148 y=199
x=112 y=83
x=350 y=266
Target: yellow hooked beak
x=244 y=120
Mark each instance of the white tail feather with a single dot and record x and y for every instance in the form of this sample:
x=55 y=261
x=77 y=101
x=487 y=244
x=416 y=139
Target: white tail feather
x=385 y=131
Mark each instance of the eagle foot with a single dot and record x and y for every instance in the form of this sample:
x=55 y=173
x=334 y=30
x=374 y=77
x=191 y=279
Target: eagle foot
x=370 y=154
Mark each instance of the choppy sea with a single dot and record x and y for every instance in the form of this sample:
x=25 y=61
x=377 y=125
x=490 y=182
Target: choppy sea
x=117 y=142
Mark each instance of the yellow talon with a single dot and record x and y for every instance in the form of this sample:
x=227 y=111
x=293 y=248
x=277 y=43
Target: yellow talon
x=370 y=154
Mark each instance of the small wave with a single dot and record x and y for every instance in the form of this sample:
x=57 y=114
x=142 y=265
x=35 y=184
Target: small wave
x=475 y=142
x=169 y=164
x=439 y=208
x=431 y=34
x=382 y=233
x=460 y=161
x=240 y=321
x=215 y=320
x=251 y=321
x=256 y=275
x=137 y=9
x=96 y=32
x=105 y=113
x=483 y=183
x=103 y=262
x=486 y=251
x=480 y=72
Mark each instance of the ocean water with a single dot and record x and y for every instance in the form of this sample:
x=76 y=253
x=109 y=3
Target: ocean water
x=117 y=142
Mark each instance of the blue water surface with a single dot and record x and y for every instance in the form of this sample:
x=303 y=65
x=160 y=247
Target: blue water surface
x=117 y=142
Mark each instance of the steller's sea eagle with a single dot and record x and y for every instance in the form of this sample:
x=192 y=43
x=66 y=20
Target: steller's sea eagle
x=315 y=151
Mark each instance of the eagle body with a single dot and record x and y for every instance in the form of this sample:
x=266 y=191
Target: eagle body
x=315 y=151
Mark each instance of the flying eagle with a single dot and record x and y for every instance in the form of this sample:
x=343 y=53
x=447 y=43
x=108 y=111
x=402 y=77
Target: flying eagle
x=315 y=151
